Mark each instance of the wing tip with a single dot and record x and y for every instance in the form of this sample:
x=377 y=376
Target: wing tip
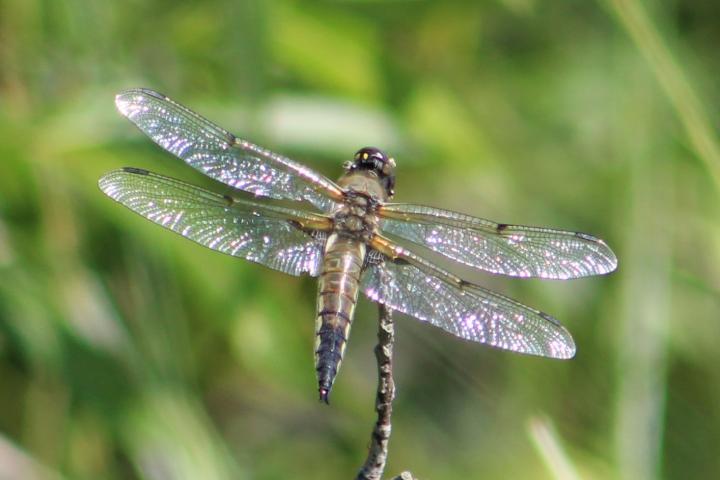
x=569 y=349
x=609 y=257
x=107 y=181
x=126 y=99
x=612 y=258
x=562 y=346
x=604 y=250
x=105 y=184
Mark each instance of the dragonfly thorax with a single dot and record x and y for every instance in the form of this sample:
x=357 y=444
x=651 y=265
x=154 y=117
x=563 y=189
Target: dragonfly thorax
x=356 y=216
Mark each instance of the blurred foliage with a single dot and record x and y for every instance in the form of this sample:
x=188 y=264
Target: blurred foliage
x=128 y=352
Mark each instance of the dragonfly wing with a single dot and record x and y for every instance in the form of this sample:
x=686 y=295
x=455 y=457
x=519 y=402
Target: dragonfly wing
x=220 y=155
x=283 y=239
x=513 y=250
x=411 y=285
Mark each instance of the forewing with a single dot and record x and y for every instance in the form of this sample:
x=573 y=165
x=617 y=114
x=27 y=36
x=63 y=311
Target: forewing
x=513 y=250
x=220 y=155
x=413 y=286
x=264 y=234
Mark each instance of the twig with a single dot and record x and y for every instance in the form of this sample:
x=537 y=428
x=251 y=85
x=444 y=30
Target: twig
x=377 y=456
x=378 y=452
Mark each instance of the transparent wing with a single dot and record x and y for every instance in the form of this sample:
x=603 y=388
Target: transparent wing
x=269 y=235
x=499 y=248
x=417 y=288
x=220 y=155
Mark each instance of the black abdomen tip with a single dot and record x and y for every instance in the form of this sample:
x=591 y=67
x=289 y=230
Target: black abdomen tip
x=325 y=395
x=329 y=356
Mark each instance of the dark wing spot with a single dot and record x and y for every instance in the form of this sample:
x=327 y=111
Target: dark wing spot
x=137 y=171
x=231 y=139
x=316 y=234
x=587 y=237
x=153 y=93
x=229 y=199
x=301 y=227
x=550 y=319
x=501 y=227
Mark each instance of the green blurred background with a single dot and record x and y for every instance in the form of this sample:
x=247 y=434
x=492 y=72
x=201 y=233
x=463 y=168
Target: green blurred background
x=129 y=352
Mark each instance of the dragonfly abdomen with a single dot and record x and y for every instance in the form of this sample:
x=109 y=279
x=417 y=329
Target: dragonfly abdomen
x=339 y=284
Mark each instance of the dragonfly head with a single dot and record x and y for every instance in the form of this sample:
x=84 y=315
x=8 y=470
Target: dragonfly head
x=375 y=160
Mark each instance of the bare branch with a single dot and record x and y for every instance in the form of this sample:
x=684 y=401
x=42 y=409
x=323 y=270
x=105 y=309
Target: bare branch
x=405 y=476
x=377 y=456
x=378 y=452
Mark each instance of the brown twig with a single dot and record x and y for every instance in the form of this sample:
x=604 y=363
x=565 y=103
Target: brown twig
x=378 y=452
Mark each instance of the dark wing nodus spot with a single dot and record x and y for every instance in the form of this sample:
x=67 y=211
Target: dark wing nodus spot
x=295 y=224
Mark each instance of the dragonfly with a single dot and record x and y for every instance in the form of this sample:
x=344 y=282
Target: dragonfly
x=350 y=236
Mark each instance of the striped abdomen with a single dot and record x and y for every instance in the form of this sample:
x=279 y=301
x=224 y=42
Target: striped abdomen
x=337 y=296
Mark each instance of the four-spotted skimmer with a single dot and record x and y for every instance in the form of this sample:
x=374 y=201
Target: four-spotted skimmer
x=345 y=233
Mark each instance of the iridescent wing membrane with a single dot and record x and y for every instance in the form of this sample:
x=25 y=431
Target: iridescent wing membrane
x=270 y=235
x=292 y=240
x=499 y=248
x=222 y=156
x=409 y=284
x=414 y=286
